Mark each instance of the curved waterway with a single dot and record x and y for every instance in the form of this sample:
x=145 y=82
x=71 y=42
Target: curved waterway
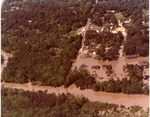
x=116 y=98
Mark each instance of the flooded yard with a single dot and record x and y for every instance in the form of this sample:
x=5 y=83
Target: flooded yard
x=117 y=66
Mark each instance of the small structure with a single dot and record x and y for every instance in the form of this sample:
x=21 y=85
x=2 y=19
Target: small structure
x=131 y=56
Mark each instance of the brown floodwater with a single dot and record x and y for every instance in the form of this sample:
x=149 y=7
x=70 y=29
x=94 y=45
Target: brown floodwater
x=117 y=65
x=118 y=98
x=124 y=99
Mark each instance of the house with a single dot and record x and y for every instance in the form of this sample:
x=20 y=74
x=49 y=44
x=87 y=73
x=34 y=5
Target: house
x=131 y=56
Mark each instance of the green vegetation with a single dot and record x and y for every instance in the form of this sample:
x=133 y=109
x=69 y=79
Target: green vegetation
x=133 y=85
x=40 y=34
x=105 y=40
x=137 y=41
x=137 y=34
x=81 y=78
x=136 y=10
x=19 y=103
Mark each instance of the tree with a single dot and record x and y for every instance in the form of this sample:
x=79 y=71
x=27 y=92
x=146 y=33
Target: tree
x=130 y=47
x=143 y=50
x=101 y=52
x=112 y=53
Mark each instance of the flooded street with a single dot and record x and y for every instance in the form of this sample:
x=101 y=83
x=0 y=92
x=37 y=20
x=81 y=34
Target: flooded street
x=120 y=99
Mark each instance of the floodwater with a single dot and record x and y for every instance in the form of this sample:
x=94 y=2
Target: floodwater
x=117 y=65
x=116 y=98
x=119 y=98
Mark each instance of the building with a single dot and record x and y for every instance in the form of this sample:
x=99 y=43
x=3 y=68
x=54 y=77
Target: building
x=131 y=56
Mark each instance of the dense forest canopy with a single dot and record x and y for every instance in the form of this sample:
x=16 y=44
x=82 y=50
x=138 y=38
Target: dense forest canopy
x=42 y=36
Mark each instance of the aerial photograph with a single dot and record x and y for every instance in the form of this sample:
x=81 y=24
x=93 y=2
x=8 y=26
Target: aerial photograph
x=75 y=58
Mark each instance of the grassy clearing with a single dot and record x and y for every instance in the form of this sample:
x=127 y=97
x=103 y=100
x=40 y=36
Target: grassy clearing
x=119 y=16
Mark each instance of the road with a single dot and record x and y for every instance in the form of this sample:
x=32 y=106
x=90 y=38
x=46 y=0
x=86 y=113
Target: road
x=84 y=33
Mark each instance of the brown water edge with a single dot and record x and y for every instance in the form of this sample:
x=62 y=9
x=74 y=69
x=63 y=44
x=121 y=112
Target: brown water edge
x=116 y=98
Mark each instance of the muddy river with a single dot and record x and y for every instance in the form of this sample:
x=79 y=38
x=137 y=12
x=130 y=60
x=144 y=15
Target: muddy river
x=124 y=99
